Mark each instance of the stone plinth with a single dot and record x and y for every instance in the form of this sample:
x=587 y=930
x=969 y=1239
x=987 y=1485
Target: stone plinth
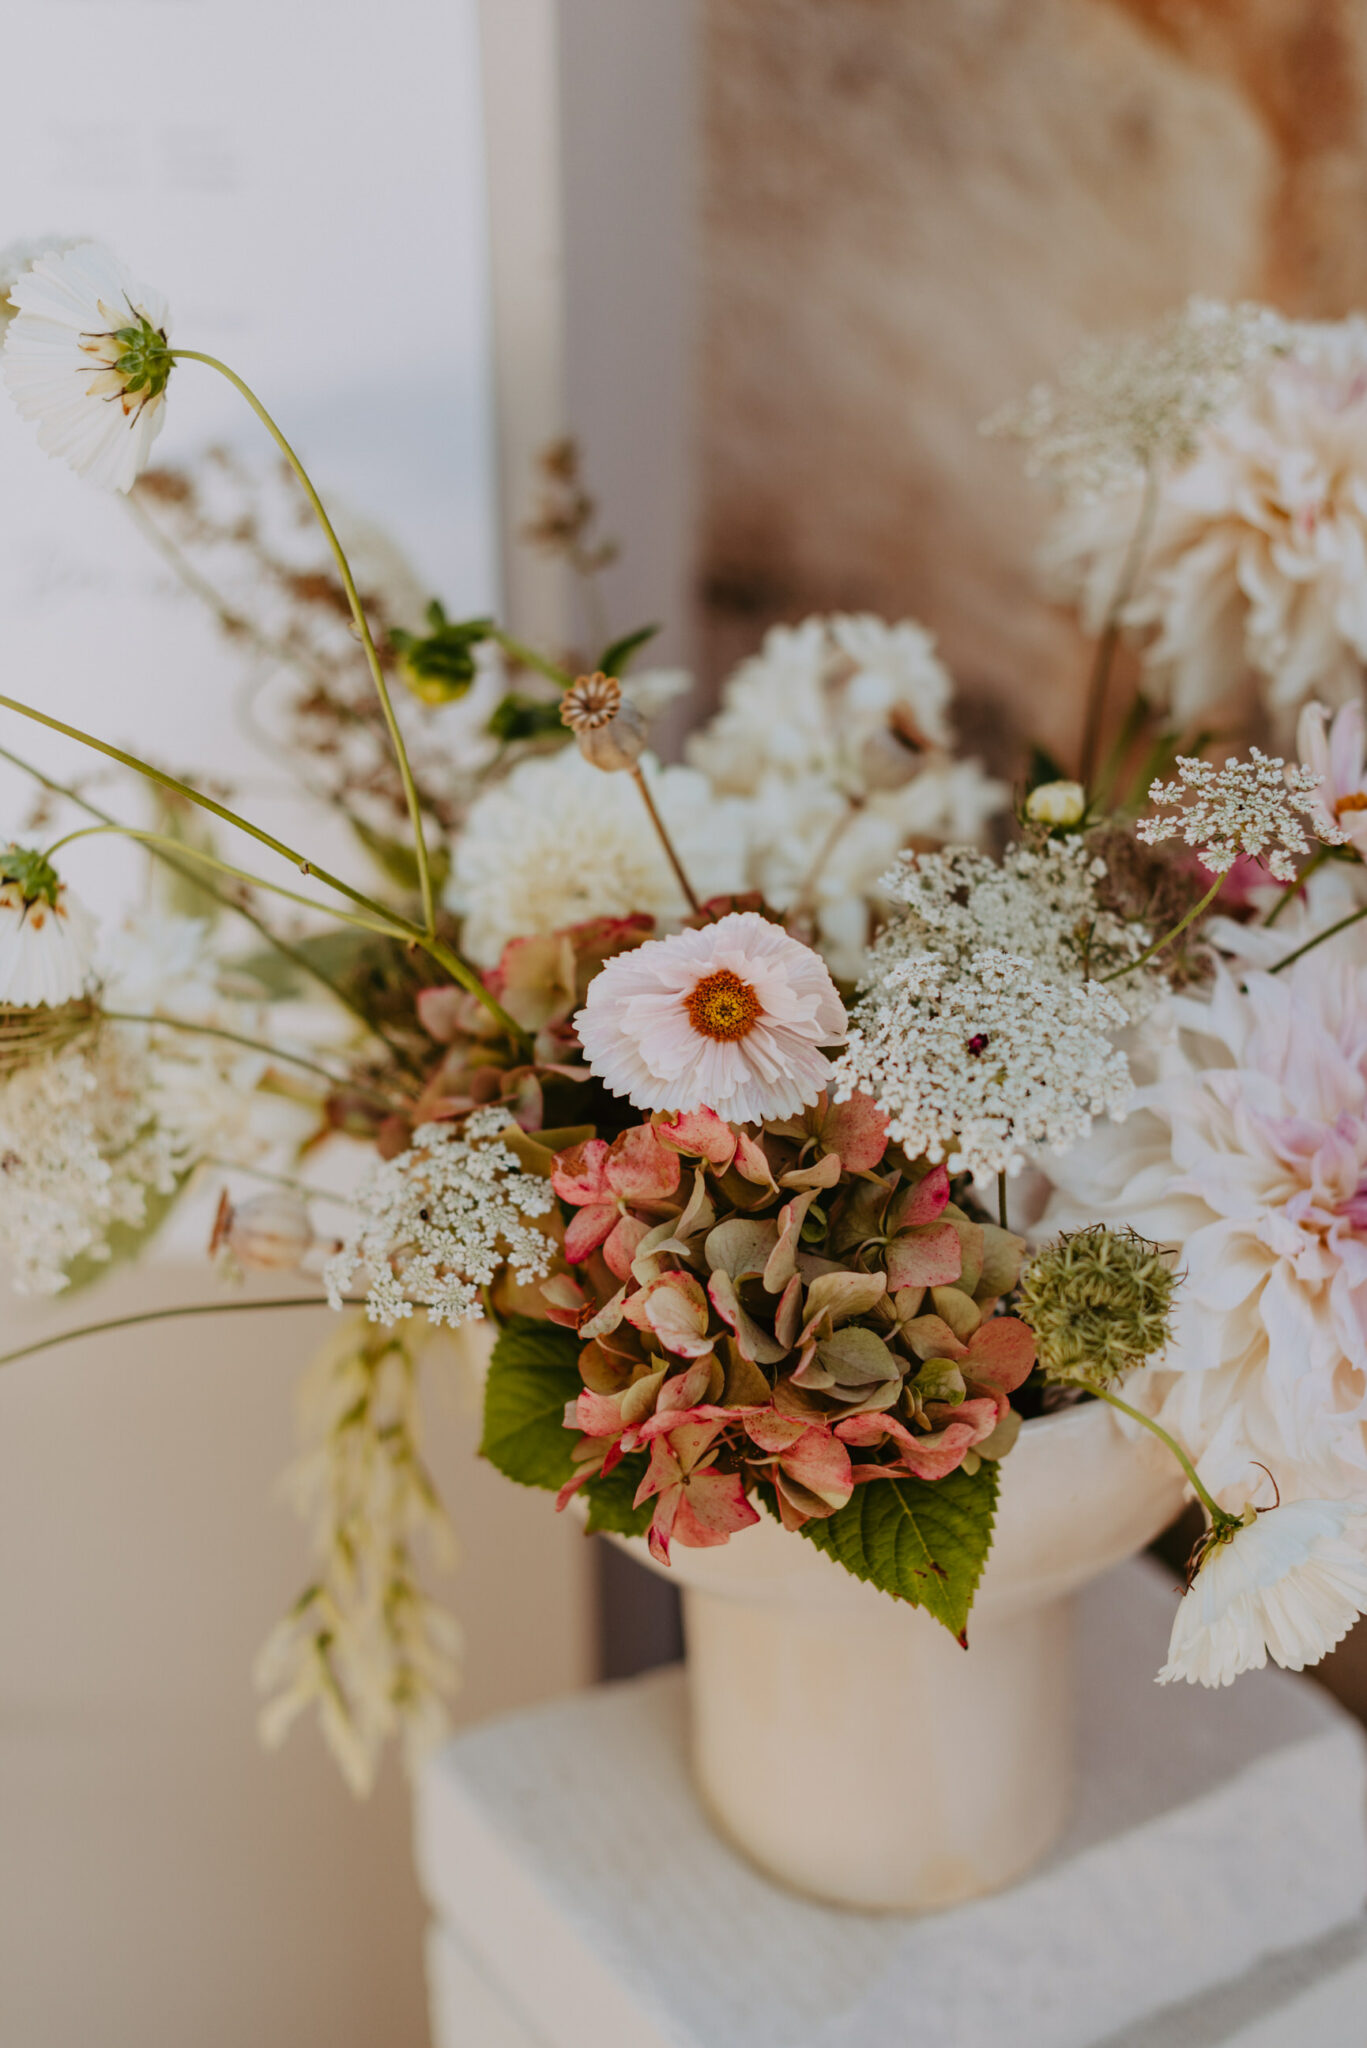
x=1208 y=1885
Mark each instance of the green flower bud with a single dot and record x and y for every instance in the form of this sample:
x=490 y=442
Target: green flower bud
x=1099 y=1302
x=439 y=666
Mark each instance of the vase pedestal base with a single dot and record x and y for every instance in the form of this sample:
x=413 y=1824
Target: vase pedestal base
x=1216 y=1853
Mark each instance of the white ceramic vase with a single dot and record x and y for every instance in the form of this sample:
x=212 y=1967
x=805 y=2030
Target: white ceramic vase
x=847 y=1743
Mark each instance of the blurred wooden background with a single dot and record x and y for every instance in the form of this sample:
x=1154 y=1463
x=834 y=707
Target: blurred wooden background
x=912 y=211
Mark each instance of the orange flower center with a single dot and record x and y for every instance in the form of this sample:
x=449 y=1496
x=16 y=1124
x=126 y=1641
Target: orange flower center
x=1356 y=800
x=721 y=1005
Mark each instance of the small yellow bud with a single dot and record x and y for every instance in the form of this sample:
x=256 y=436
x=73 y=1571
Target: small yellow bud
x=1056 y=803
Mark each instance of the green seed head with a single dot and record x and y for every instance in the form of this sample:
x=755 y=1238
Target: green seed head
x=1099 y=1302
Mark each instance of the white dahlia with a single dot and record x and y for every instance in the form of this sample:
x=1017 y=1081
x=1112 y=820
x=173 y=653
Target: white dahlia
x=1287 y=1583
x=86 y=356
x=1248 y=1151
x=558 y=842
x=730 y=1018
x=47 y=940
x=1258 y=553
x=848 y=698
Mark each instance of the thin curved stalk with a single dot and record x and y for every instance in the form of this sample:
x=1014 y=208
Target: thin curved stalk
x=386 y=930
x=528 y=657
x=396 y=740
x=1218 y=1515
x=1354 y=917
x=1132 y=965
x=1104 y=658
x=162 y=1315
x=275 y=1052
x=403 y=928
x=176 y=862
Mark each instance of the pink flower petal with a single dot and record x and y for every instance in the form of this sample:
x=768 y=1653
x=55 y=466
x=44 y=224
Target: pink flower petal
x=1001 y=1353
x=579 y=1175
x=702 y=1134
x=929 y=1257
x=590 y=1228
x=640 y=1167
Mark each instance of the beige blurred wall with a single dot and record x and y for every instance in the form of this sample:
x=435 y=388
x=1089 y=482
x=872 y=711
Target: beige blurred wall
x=912 y=211
x=163 y=1881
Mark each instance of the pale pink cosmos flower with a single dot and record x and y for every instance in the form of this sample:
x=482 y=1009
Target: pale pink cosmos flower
x=729 y=1018
x=1336 y=752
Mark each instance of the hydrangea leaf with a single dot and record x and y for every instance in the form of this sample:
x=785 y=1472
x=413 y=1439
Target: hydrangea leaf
x=923 y=1541
x=611 y=1500
x=533 y=1373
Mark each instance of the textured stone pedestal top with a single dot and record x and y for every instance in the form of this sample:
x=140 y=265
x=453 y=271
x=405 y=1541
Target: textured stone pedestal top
x=1215 y=1865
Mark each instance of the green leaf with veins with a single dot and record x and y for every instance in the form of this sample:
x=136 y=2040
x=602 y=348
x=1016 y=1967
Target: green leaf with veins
x=533 y=1373
x=924 y=1541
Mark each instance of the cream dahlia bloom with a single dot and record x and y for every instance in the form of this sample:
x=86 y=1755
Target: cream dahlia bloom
x=47 y=939
x=85 y=355
x=1258 y=554
x=1248 y=1151
x=847 y=698
x=558 y=842
x=1287 y=1584
x=807 y=843
x=729 y=1018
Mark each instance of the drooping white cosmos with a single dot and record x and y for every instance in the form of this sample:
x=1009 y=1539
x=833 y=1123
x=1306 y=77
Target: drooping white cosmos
x=1289 y=1585
x=47 y=940
x=86 y=357
x=729 y=1018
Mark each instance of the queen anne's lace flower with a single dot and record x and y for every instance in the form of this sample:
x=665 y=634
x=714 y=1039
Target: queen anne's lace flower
x=984 y=1062
x=558 y=843
x=1256 y=555
x=1244 y=807
x=1038 y=902
x=1288 y=1583
x=441 y=1220
x=1121 y=405
x=729 y=1018
x=86 y=356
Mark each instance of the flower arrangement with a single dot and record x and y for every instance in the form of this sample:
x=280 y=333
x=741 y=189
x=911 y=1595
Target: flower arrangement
x=800 y=1124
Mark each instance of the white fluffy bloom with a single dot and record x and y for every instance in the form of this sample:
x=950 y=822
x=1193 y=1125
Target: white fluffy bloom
x=827 y=698
x=1288 y=1583
x=364 y=1644
x=1244 y=807
x=559 y=842
x=1248 y=1151
x=1257 y=558
x=810 y=845
x=1037 y=902
x=1334 y=752
x=16 y=257
x=79 y=1156
x=440 y=1222
x=85 y=355
x=47 y=941
x=984 y=1062
x=729 y=1018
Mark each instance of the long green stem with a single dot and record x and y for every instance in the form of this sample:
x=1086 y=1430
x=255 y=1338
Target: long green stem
x=680 y=872
x=1293 y=889
x=527 y=657
x=401 y=927
x=385 y=930
x=429 y=908
x=1212 y=1507
x=1110 y=632
x=177 y=863
x=275 y=1052
x=1176 y=932
x=1353 y=917
x=159 y=1315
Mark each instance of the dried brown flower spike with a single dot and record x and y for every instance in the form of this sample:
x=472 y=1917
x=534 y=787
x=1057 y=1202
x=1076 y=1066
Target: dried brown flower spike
x=609 y=729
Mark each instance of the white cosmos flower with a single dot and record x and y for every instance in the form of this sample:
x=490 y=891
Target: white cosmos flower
x=1287 y=1584
x=47 y=939
x=729 y=1018
x=85 y=356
